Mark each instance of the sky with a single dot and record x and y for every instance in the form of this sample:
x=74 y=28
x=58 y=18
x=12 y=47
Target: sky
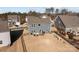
x=37 y=9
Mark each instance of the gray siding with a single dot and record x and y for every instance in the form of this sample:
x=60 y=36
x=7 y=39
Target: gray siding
x=39 y=29
x=59 y=24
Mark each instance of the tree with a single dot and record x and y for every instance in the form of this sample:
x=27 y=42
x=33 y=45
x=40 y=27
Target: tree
x=19 y=13
x=57 y=11
x=22 y=18
x=64 y=11
x=33 y=13
x=49 y=10
x=52 y=10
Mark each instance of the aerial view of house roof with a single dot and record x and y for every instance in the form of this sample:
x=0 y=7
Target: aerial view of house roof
x=34 y=19
x=4 y=26
x=3 y=17
x=70 y=21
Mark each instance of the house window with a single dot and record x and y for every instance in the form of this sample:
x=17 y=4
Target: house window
x=34 y=25
x=17 y=20
x=34 y=30
x=38 y=24
x=0 y=42
x=40 y=30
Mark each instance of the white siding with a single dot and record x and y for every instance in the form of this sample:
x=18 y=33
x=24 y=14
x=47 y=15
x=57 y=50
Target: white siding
x=68 y=29
x=75 y=29
x=14 y=18
x=5 y=38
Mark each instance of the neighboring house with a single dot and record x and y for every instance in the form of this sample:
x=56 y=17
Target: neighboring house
x=39 y=25
x=67 y=24
x=13 y=20
x=4 y=33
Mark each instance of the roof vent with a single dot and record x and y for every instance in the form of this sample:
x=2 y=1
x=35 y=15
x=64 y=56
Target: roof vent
x=26 y=19
x=44 y=16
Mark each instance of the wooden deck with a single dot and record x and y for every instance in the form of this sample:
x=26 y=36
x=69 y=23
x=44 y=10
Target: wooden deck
x=47 y=43
x=43 y=43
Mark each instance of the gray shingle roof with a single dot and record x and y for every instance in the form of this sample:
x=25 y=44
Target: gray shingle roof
x=70 y=21
x=3 y=26
x=37 y=20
